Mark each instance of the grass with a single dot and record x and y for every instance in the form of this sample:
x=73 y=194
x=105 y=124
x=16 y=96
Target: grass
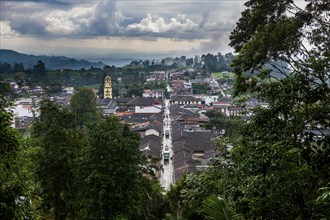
x=221 y=75
x=94 y=86
x=9 y=77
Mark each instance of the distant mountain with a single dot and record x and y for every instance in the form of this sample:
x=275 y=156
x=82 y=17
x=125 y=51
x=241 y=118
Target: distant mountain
x=51 y=62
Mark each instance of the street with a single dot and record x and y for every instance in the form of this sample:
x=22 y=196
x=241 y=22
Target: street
x=167 y=171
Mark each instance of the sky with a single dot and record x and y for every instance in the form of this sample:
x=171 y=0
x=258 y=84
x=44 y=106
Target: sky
x=124 y=28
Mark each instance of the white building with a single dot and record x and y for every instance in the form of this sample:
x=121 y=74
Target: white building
x=156 y=93
x=208 y=99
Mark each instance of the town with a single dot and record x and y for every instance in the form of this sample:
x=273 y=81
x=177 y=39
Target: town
x=169 y=119
x=163 y=110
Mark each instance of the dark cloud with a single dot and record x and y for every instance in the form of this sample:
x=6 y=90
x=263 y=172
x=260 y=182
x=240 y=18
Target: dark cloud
x=217 y=42
x=81 y=19
x=106 y=19
x=205 y=17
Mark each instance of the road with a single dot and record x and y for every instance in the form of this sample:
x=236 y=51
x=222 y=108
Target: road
x=167 y=173
x=221 y=89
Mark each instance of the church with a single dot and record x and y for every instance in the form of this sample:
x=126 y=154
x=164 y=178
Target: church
x=111 y=105
x=107 y=88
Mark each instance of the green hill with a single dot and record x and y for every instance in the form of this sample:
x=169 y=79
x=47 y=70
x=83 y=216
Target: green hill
x=51 y=62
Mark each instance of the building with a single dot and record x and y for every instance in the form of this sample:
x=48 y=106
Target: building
x=207 y=99
x=108 y=106
x=153 y=93
x=107 y=88
x=182 y=100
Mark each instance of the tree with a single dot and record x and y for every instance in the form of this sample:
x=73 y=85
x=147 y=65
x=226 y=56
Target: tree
x=59 y=142
x=186 y=197
x=280 y=162
x=9 y=189
x=216 y=208
x=210 y=62
x=18 y=67
x=5 y=68
x=146 y=63
x=83 y=105
x=14 y=198
x=226 y=126
x=40 y=69
x=190 y=62
x=108 y=172
x=134 y=91
x=200 y=88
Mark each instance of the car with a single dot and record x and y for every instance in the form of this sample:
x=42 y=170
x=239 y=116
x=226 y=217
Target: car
x=166 y=153
x=167 y=133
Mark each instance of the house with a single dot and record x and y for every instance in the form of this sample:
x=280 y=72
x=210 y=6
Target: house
x=182 y=100
x=151 y=146
x=191 y=150
x=194 y=119
x=68 y=90
x=148 y=128
x=36 y=90
x=108 y=106
x=63 y=99
x=122 y=104
x=155 y=93
x=177 y=112
x=177 y=75
x=160 y=75
x=139 y=105
x=13 y=85
x=138 y=118
x=225 y=106
x=23 y=122
x=207 y=99
x=24 y=114
x=145 y=105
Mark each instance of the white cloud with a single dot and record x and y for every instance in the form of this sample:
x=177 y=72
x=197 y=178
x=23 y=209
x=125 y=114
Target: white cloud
x=62 y=22
x=181 y=25
x=6 y=30
x=154 y=24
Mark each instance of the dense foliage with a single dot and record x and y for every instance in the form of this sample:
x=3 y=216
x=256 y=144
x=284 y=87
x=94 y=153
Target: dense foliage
x=200 y=88
x=282 y=159
x=84 y=107
x=89 y=167
x=90 y=172
x=15 y=195
x=59 y=143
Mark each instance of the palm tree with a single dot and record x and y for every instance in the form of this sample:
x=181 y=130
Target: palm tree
x=216 y=208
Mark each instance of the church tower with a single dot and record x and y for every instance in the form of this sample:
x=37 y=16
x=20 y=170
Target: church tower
x=107 y=88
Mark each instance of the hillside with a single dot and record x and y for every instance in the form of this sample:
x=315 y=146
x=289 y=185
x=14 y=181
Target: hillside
x=51 y=62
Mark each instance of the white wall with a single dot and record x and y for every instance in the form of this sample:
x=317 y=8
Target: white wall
x=152 y=131
x=148 y=109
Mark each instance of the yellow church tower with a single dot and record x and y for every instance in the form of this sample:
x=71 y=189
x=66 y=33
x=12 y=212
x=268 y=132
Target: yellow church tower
x=107 y=88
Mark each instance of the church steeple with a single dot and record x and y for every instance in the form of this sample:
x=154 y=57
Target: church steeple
x=107 y=88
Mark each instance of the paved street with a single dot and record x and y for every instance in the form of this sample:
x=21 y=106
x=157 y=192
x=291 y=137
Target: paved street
x=166 y=178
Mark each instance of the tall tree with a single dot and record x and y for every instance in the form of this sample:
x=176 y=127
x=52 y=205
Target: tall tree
x=216 y=208
x=224 y=125
x=108 y=172
x=187 y=195
x=18 y=67
x=200 y=88
x=59 y=142
x=5 y=68
x=83 y=105
x=10 y=190
x=280 y=162
x=39 y=69
x=14 y=198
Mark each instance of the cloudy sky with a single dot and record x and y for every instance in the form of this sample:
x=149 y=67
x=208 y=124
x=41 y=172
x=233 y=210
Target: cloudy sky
x=125 y=28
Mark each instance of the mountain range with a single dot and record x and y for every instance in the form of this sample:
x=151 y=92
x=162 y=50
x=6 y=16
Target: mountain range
x=51 y=62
